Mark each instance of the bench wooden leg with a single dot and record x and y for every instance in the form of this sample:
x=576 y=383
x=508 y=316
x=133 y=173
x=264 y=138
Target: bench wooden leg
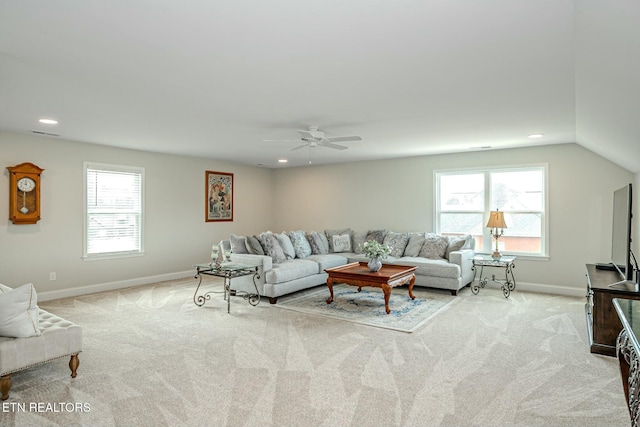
x=5 y=386
x=73 y=365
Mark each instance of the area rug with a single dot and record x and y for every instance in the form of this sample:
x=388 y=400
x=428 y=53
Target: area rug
x=367 y=306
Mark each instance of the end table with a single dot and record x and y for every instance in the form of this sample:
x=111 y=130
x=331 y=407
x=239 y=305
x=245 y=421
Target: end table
x=227 y=271
x=506 y=262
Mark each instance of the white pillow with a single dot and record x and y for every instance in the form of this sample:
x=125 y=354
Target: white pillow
x=238 y=244
x=287 y=246
x=19 y=312
x=341 y=243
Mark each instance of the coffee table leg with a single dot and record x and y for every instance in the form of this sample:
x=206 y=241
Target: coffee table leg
x=330 y=286
x=413 y=280
x=387 y=294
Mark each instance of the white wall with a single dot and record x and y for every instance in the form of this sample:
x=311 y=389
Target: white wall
x=176 y=234
x=398 y=195
x=394 y=194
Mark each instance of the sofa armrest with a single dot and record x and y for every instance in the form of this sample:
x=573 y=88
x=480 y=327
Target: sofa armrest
x=264 y=261
x=464 y=258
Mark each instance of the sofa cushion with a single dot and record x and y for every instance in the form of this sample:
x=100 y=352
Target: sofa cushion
x=19 y=311
x=271 y=246
x=357 y=239
x=455 y=244
x=432 y=267
x=286 y=245
x=254 y=246
x=414 y=244
x=290 y=270
x=300 y=243
x=238 y=244
x=434 y=246
x=377 y=235
x=397 y=242
x=330 y=233
x=318 y=242
x=327 y=261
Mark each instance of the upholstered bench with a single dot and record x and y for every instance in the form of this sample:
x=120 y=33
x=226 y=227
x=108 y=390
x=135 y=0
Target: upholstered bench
x=58 y=338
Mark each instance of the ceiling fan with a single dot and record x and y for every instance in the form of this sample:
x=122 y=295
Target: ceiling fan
x=313 y=137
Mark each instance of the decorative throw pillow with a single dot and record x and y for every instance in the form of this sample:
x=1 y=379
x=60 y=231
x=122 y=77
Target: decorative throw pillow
x=414 y=244
x=317 y=244
x=254 y=246
x=324 y=242
x=455 y=244
x=300 y=244
x=271 y=247
x=286 y=245
x=359 y=237
x=331 y=233
x=19 y=312
x=377 y=235
x=397 y=242
x=434 y=246
x=341 y=242
x=238 y=244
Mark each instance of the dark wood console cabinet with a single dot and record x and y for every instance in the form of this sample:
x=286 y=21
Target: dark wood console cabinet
x=603 y=323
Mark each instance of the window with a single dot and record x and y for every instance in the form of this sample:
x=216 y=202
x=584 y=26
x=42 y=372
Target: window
x=113 y=211
x=465 y=198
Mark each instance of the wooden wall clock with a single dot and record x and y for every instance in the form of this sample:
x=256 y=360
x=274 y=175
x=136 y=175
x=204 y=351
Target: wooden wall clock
x=24 y=193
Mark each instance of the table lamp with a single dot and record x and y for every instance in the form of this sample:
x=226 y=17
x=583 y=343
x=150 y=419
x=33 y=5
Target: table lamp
x=496 y=221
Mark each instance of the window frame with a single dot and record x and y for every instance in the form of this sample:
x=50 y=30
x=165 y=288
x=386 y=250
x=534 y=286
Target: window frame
x=85 y=238
x=487 y=239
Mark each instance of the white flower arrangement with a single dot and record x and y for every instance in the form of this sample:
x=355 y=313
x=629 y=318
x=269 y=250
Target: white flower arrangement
x=373 y=249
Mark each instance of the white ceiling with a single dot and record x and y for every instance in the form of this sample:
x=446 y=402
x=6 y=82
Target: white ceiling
x=215 y=78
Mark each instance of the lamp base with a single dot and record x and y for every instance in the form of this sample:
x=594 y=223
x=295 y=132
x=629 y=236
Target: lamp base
x=496 y=255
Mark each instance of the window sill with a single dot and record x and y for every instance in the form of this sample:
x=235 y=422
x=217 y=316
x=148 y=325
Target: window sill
x=100 y=257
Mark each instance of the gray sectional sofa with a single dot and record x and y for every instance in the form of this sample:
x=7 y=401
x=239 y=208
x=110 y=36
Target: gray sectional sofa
x=292 y=261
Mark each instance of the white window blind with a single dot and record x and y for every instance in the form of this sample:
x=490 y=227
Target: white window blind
x=114 y=210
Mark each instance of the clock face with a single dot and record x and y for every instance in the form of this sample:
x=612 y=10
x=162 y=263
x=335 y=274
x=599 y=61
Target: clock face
x=26 y=184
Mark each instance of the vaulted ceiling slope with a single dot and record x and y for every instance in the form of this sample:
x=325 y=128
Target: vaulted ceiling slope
x=216 y=78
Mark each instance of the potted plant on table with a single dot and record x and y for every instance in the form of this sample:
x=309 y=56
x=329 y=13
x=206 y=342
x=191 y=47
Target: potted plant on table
x=376 y=251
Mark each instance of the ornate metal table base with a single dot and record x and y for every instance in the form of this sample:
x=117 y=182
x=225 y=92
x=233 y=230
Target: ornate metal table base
x=227 y=272
x=630 y=372
x=509 y=282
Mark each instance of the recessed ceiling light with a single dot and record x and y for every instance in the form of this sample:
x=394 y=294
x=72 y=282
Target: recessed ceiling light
x=536 y=135
x=282 y=160
x=48 y=121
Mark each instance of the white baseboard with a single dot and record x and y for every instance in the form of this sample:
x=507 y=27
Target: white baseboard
x=110 y=286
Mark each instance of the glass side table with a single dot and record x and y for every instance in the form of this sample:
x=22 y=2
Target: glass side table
x=227 y=271
x=506 y=262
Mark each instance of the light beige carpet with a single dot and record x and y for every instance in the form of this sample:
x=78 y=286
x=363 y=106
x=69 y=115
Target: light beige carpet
x=152 y=358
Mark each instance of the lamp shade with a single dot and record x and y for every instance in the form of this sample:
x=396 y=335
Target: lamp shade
x=496 y=220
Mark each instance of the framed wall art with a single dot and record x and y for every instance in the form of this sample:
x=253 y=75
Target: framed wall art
x=219 y=196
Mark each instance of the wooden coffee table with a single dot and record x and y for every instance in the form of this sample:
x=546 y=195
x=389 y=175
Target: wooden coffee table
x=358 y=274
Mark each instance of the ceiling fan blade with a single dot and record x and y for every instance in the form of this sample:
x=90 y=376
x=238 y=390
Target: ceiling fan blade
x=330 y=145
x=299 y=146
x=344 y=138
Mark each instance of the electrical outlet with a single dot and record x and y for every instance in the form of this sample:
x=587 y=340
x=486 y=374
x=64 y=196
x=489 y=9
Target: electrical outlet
x=52 y=276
